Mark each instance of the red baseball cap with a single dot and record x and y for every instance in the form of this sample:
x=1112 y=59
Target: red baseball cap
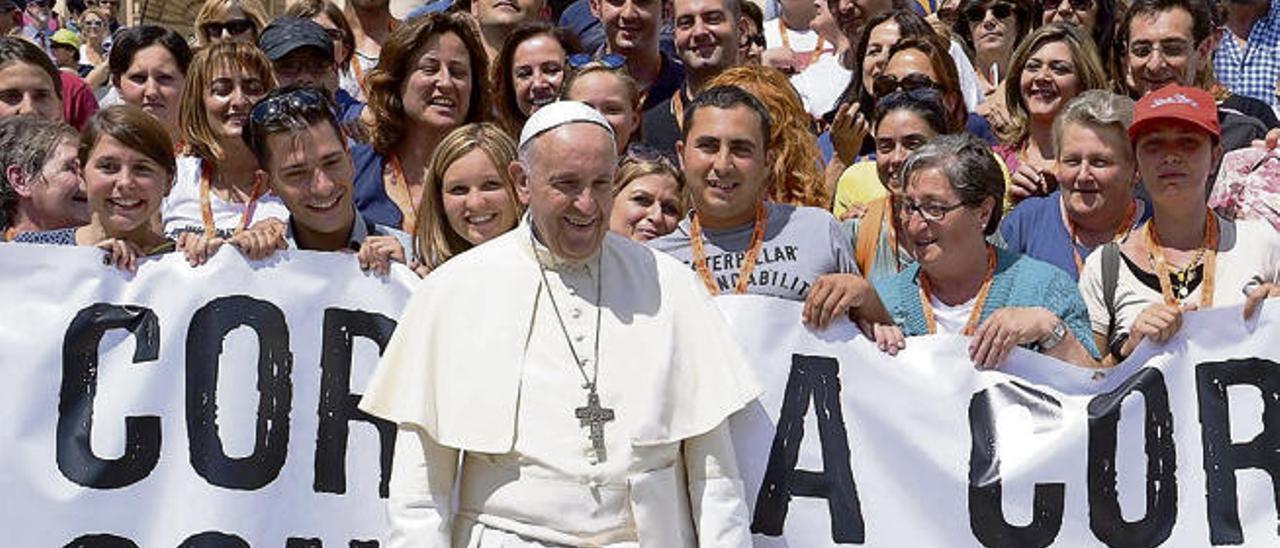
x=1194 y=106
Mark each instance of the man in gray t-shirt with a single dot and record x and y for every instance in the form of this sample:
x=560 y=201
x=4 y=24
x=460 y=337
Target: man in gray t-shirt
x=739 y=243
x=800 y=244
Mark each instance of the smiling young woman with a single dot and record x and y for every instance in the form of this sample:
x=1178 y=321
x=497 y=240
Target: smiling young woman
x=1055 y=64
x=432 y=77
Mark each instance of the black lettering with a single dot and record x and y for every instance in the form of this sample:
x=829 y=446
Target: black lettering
x=1162 y=481
x=100 y=540
x=816 y=379
x=1221 y=457
x=75 y=456
x=338 y=406
x=209 y=327
x=986 y=517
x=214 y=539
x=791 y=253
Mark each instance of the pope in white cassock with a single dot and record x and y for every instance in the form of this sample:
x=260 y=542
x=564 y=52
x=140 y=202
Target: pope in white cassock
x=561 y=385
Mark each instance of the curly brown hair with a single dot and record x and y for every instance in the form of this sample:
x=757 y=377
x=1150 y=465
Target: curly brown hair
x=400 y=52
x=795 y=176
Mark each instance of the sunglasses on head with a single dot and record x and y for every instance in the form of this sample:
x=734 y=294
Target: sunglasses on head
x=233 y=27
x=611 y=61
x=1001 y=10
x=886 y=84
x=271 y=109
x=1078 y=5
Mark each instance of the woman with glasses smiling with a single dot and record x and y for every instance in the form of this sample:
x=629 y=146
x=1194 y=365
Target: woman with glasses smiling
x=237 y=20
x=949 y=204
x=93 y=51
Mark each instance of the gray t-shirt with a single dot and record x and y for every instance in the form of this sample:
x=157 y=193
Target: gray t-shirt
x=800 y=244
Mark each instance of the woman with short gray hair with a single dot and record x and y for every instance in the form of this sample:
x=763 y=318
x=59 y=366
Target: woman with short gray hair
x=40 y=184
x=1096 y=176
x=950 y=202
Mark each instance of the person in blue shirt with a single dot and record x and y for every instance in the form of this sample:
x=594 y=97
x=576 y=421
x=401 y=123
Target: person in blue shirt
x=952 y=190
x=1096 y=177
x=301 y=54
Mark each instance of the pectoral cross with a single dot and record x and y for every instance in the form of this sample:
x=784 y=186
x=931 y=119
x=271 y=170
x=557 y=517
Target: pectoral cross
x=595 y=416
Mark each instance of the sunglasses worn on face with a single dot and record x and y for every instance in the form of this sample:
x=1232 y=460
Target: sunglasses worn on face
x=886 y=84
x=1078 y=5
x=611 y=61
x=977 y=13
x=233 y=27
x=753 y=40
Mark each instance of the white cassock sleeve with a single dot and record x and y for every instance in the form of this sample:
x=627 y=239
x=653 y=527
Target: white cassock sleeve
x=715 y=490
x=420 y=505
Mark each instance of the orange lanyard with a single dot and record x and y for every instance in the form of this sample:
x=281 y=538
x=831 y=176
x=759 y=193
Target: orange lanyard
x=1209 y=249
x=786 y=43
x=888 y=224
x=206 y=208
x=748 y=262
x=926 y=302
x=398 y=190
x=1120 y=232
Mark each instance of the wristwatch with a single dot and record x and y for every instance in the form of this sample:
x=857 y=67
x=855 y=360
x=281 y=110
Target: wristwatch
x=1054 y=337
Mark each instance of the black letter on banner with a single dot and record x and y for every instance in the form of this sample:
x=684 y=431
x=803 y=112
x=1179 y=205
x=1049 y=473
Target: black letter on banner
x=338 y=404
x=315 y=543
x=214 y=539
x=1162 y=463
x=1221 y=457
x=986 y=517
x=101 y=541
x=76 y=460
x=209 y=327
x=815 y=378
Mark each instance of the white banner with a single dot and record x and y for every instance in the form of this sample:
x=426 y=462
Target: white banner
x=1179 y=446
x=209 y=406
x=215 y=406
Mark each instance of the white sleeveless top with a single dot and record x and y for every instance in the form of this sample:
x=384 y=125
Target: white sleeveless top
x=180 y=211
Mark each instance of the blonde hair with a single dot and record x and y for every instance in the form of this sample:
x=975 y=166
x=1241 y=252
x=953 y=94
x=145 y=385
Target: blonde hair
x=193 y=119
x=795 y=176
x=1088 y=69
x=211 y=9
x=434 y=241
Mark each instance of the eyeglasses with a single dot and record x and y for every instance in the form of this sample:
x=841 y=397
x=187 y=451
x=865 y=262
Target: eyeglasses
x=294 y=67
x=233 y=27
x=611 y=61
x=1170 y=49
x=887 y=83
x=1001 y=10
x=930 y=212
x=1078 y=5
x=91 y=24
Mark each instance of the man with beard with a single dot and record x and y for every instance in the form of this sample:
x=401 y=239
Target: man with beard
x=371 y=23
x=497 y=18
x=632 y=29
x=1170 y=42
x=1247 y=59
x=706 y=34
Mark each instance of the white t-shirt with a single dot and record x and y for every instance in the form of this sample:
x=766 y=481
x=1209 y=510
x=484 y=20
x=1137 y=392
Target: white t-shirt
x=799 y=40
x=951 y=319
x=968 y=78
x=181 y=209
x=1248 y=253
x=820 y=85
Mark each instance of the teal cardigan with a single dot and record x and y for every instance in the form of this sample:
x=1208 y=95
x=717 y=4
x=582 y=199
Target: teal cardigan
x=1019 y=280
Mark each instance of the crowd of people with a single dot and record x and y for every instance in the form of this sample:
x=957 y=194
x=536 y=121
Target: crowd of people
x=1043 y=174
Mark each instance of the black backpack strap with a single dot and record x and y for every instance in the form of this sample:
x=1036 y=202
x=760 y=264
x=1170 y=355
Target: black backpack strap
x=1110 y=277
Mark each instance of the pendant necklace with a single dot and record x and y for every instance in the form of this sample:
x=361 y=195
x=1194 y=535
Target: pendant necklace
x=592 y=415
